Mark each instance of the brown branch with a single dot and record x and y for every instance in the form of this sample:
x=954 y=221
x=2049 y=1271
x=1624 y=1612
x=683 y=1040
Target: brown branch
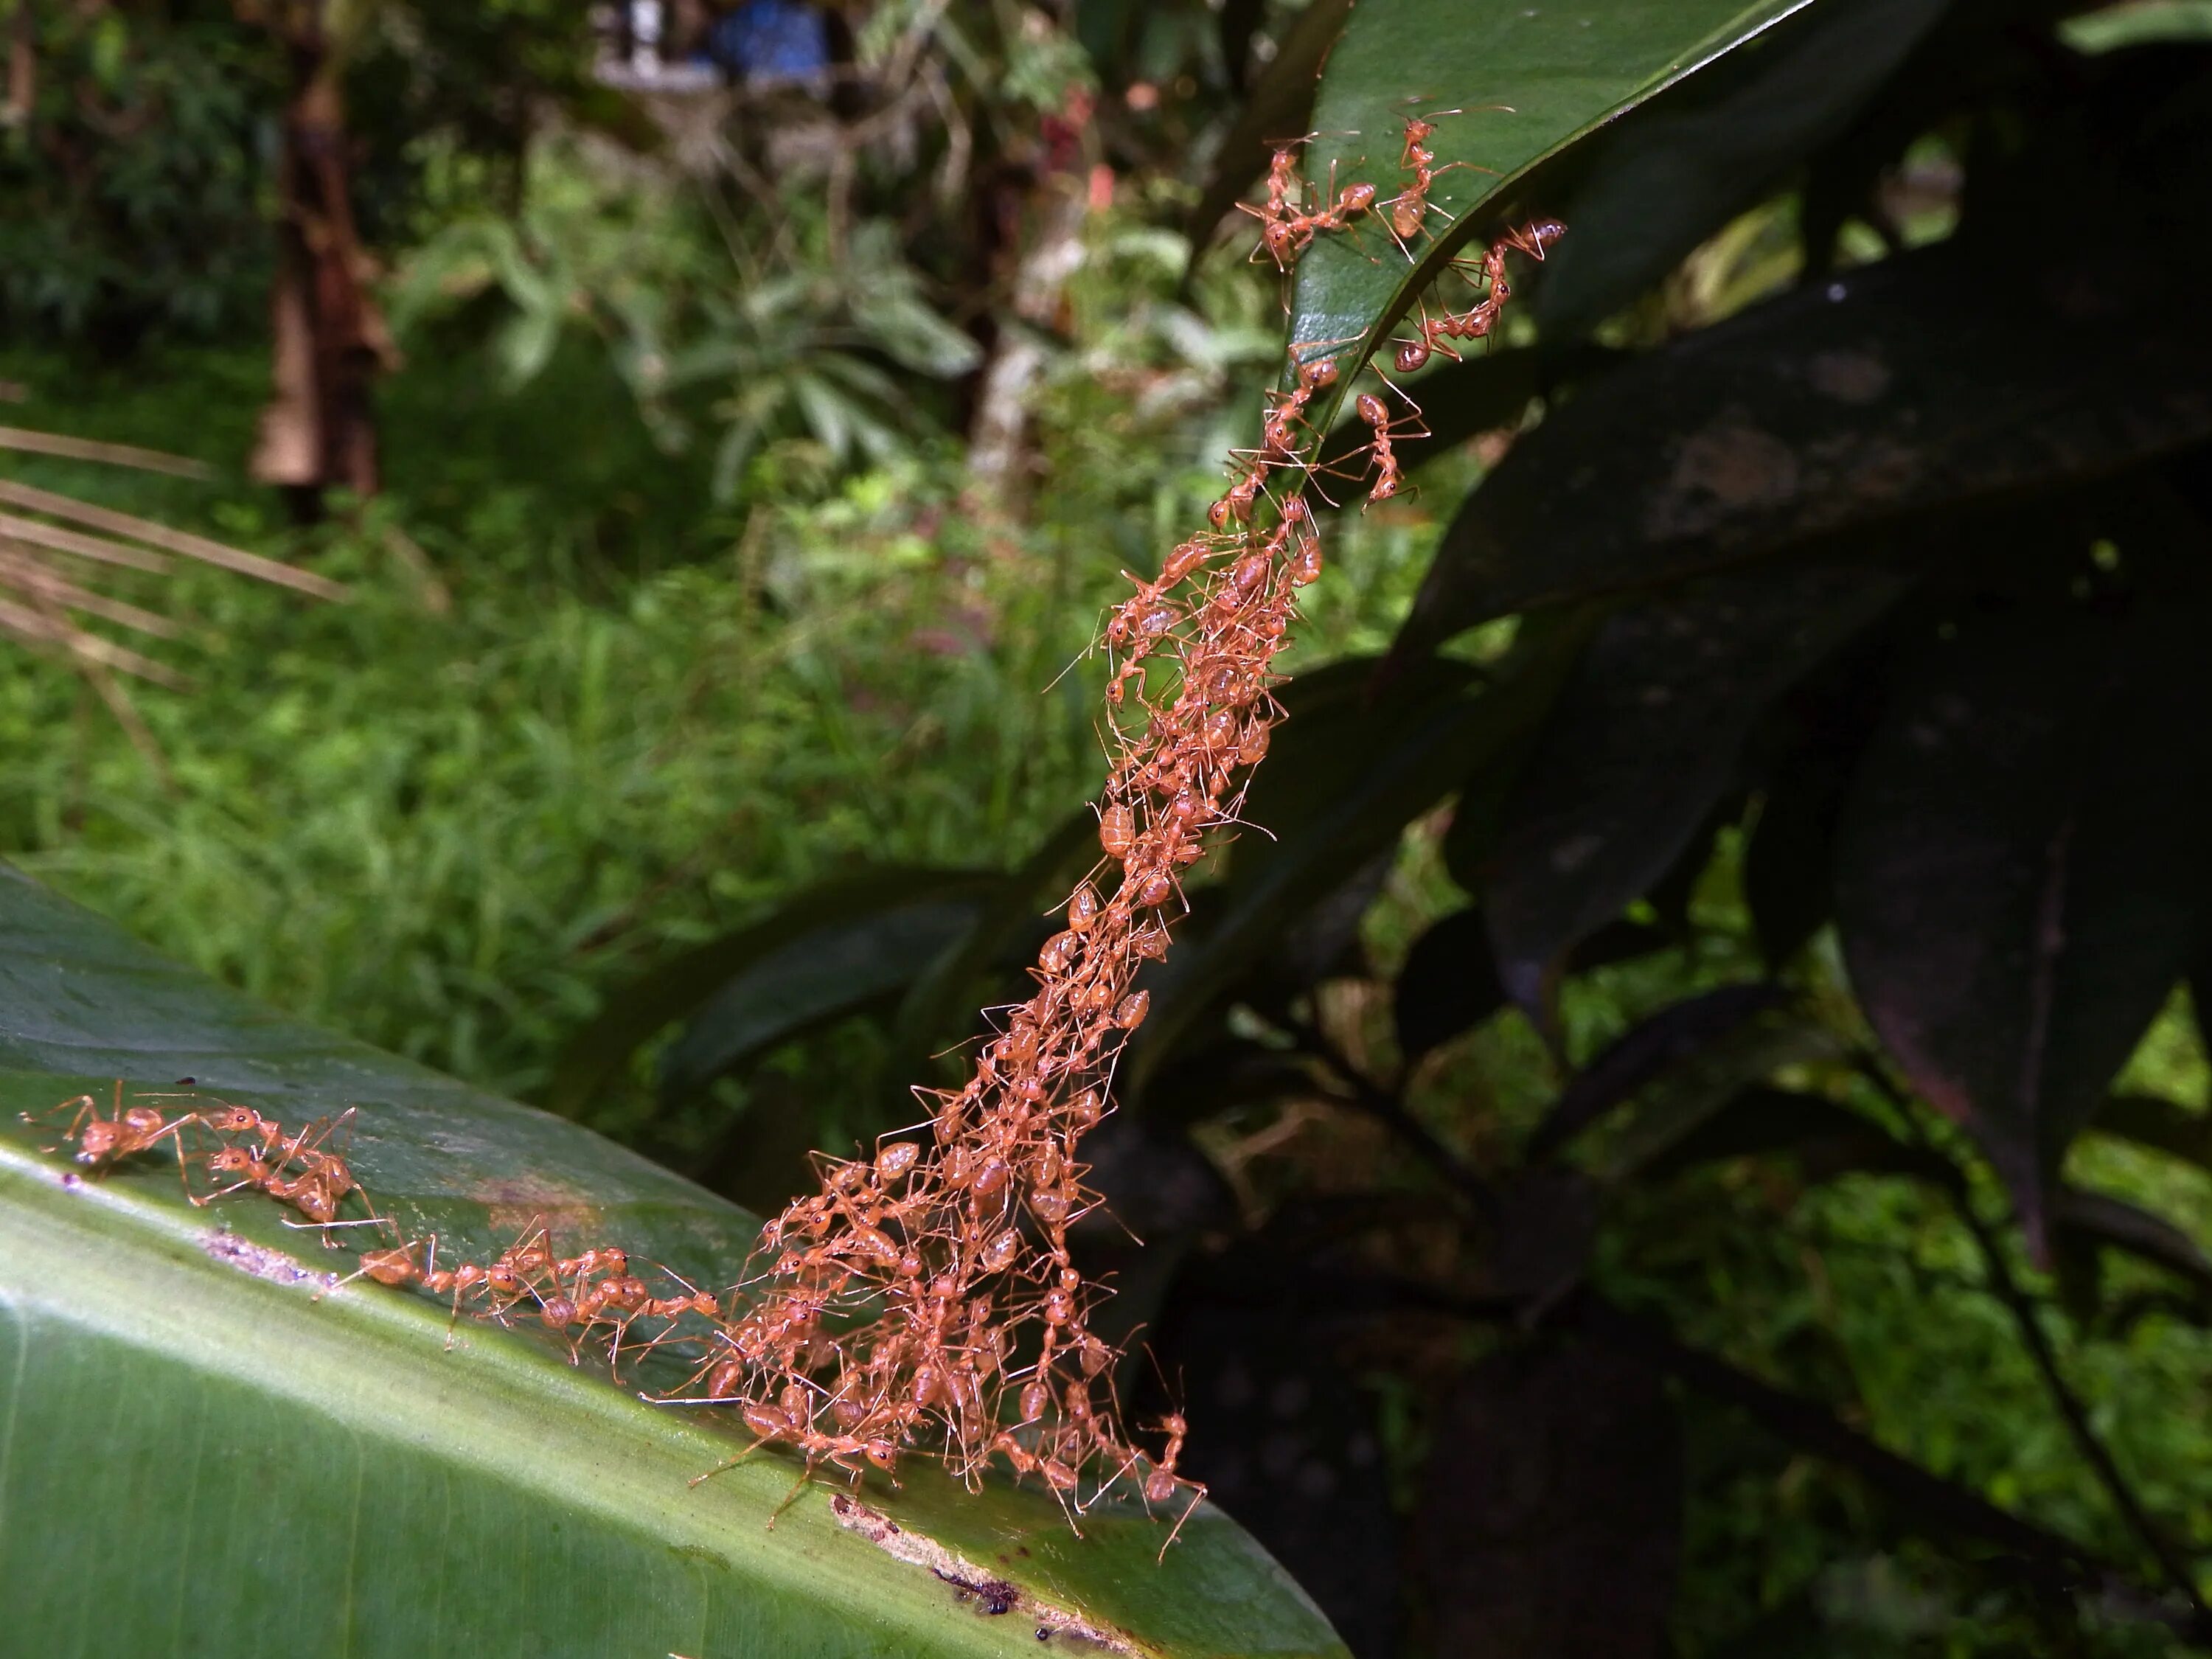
x=2139 y=1521
x=2057 y=1562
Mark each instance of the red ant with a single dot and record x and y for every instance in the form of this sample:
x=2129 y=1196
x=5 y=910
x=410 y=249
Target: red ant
x=102 y=1142
x=1376 y=414
x=1411 y=207
x=1531 y=238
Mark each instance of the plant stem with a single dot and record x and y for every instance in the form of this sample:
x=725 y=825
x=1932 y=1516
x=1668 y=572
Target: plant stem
x=2171 y=1561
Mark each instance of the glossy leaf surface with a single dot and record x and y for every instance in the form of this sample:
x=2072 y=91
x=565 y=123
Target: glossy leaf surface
x=1565 y=70
x=275 y=1472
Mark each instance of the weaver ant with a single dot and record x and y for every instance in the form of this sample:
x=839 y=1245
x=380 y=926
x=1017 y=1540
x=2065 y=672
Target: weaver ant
x=103 y=1142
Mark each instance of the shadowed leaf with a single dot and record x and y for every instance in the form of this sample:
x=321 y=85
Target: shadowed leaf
x=1898 y=390
x=2020 y=875
x=1643 y=742
x=1661 y=183
x=660 y=997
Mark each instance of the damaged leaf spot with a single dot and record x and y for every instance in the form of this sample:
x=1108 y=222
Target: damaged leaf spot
x=992 y=1594
x=261 y=1262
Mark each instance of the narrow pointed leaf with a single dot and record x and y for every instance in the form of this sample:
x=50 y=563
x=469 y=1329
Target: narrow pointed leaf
x=1645 y=740
x=1661 y=184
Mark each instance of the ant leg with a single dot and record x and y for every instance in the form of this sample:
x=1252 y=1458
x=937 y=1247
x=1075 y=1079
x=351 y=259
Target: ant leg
x=732 y=1463
x=1197 y=1496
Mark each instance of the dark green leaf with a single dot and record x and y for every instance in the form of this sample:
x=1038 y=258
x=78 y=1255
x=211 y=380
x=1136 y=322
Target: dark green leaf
x=1898 y=390
x=1826 y=1140
x=2020 y=875
x=264 y=1469
x=1347 y=776
x=1578 y=1550
x=820 y=976
x=1786 y=865
x=665 y=994
x=1013 y=919
x=1661 y=184
x=1449 y=985
x=1481 y=393
x=2105 y=1219
x=2164 y=1124
x=1643 y=743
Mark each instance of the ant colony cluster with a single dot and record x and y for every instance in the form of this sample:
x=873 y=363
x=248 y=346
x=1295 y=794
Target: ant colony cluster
x=924 y=1302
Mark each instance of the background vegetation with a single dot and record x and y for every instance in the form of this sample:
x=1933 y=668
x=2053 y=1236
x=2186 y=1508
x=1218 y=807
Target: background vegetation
x=1548 y=1220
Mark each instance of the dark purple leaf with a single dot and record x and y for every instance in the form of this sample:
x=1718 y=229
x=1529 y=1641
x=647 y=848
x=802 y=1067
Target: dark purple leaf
x=2020 y=869
x=1643 y=742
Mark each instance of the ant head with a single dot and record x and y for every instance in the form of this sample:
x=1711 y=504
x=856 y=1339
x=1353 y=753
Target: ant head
x=232 y=1120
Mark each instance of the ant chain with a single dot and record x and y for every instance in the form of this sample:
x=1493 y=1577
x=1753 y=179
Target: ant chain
x=924 y=1301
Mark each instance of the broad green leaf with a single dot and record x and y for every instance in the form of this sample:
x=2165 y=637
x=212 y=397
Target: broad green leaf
x=1645 y=740
x=2020 y=869
x=1897 y=392
x=1566 y=69
x=198 y=1455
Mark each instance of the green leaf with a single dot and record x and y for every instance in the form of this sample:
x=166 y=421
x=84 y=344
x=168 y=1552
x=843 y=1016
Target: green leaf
x=1661 y=184
x=1655 y=1045
x=665 y=994
x=2137 y=23
x=2020 y=876
x=1899 y=392
x=1565 y=70
x=198 y=1454
x=1449 y=985
x=1644 y=740
x=1826 y=1140
x=2165 y=1125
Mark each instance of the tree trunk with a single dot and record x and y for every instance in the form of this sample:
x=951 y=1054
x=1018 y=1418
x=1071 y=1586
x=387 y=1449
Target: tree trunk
x=329 y=341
